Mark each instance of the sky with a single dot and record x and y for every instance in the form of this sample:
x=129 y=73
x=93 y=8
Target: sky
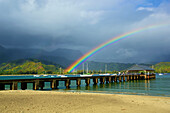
x=84 y=24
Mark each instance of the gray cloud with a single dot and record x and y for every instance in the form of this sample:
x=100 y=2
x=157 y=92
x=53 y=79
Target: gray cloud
x=84 y=24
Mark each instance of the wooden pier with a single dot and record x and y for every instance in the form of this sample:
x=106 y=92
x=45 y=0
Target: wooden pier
x=38 y=82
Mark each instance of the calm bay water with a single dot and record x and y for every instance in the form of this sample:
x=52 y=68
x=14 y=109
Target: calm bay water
x=155 y=87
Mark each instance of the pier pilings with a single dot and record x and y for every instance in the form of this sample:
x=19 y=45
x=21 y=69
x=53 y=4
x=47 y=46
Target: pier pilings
x=67 y=83
x=120 y=78
x=108 y=80
x=54 y=82
x=41 y=84
x=102 y=80
x=36 y=85
x=2 y=86
x=78 y=82
x=123 y=78
x=87 y=81
x=115 y=79
x=127 y=78
x=95 y=80
x=23 y=85
x=14 y=85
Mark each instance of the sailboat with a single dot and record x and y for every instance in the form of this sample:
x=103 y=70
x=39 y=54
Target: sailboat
x=160 y=74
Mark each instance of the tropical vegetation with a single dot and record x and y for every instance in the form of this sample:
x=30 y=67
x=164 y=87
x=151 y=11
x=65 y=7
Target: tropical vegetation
x=30 y=66
x=35 y=66
x=162 y=67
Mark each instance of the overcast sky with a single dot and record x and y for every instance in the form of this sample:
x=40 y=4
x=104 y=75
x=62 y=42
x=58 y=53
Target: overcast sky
x=84 y=24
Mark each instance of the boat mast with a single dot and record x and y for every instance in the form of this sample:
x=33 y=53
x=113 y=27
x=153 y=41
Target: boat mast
x=87 y=68
x=83 y=68
x=105 y=68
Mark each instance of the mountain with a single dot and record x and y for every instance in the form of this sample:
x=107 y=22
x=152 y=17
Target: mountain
x=62 y=56
x=109 y=66
x=1 y=47
x=29 y=66
x=36 y=66
x=162 y=67
x=3 y=54
x=69 y=53
x=59 y=60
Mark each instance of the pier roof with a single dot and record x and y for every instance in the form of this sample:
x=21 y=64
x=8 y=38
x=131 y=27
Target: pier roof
x=140 y=68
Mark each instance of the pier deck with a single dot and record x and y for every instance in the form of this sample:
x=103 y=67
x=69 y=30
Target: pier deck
x=38 y=81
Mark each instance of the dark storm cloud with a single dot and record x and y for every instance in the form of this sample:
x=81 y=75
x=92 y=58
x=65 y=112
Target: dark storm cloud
x=26 y=40
x=82 y=25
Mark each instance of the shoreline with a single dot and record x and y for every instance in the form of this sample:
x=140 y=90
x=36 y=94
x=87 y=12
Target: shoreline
x=116 y=93
x=91 y=92
x=80 y=102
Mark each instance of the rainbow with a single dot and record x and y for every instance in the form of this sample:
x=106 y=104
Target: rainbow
x=92 y=52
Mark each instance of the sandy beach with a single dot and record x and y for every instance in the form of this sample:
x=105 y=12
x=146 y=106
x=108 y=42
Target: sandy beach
x=70 y=102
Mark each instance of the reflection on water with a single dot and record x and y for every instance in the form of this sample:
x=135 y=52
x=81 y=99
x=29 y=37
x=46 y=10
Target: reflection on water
x=156 y=87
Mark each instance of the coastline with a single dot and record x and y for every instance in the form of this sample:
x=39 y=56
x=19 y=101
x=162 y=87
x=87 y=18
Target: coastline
x=78 y=102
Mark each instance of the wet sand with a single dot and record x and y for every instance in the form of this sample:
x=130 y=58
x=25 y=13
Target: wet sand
x=69 y=102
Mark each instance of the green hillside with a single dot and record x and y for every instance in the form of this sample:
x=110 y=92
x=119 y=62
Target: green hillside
x=35 y=66
x=162 y=67
x=29 y=66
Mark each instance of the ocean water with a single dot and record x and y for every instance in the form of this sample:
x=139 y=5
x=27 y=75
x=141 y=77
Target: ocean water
x=154 y=87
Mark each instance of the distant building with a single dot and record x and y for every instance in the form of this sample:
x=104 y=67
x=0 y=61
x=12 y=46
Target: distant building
x=140 y=69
